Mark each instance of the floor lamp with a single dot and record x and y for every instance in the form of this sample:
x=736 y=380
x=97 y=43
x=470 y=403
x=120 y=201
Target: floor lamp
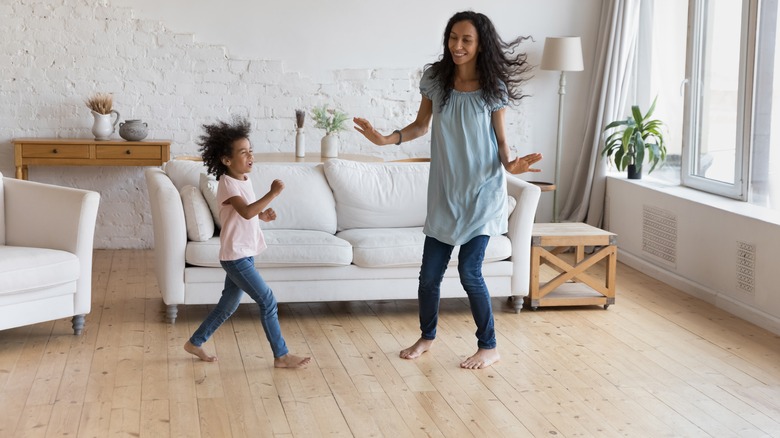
x=561 y=54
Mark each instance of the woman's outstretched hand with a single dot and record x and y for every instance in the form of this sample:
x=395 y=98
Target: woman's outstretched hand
x=523 y=164
x=365 y=128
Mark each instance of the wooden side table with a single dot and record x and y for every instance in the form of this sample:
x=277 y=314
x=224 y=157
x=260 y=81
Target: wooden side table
x=573 y=286
x=87 y=152
x=543 y=186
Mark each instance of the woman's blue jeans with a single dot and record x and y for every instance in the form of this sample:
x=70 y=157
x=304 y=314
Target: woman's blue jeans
x=436 y=256
x=242 y=276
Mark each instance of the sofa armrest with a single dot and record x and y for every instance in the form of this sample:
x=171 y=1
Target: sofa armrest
x=48 y=216
x=521 y=223
x=170 y=234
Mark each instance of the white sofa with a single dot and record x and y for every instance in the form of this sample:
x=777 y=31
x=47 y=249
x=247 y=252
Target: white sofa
x=46 y=235
x=344 y=231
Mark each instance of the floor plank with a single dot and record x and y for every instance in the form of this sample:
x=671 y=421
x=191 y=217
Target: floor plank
x=658 y=363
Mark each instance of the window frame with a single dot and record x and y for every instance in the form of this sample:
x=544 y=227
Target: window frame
x=692 y=113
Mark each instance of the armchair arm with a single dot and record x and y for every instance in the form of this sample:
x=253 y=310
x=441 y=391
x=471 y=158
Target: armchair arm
x=170 y=234
x=48 y=216
x=521 y=223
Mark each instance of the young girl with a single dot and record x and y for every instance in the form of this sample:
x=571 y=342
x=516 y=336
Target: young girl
x=463 y=97
x=227 y=153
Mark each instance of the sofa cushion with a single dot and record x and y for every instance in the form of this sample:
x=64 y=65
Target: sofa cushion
x=208 y=188
x=306 y=203
x=25 y=270
x=184 y=172
x=378 y=195
x=197 y=215
x=285 y=248
x=511 y=203
x=397 y=247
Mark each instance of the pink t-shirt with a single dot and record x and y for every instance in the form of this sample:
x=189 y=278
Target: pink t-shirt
x=239 y=237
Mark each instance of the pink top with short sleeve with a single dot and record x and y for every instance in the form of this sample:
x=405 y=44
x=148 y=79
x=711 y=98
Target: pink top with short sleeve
x=239 y=237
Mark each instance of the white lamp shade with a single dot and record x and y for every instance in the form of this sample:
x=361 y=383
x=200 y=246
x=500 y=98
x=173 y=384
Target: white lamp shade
x=562 y=54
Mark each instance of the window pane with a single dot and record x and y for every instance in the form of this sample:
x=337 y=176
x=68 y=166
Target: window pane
x=765 y=180
x=669 y=33
x=718 y=102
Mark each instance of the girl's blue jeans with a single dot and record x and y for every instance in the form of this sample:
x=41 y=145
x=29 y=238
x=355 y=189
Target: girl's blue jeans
x=436 y=256
x=242 y=276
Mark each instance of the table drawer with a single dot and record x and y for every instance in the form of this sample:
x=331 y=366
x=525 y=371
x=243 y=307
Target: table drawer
x=128 y=152
x=55 y=151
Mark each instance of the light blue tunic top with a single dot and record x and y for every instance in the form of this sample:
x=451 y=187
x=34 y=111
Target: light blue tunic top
x=467 y=185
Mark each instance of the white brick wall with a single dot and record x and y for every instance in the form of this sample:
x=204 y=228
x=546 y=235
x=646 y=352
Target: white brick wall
x=56 y=53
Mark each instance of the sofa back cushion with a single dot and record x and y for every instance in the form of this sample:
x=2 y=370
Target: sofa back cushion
x=306 y=203
x=184 y=172
x=197 y=214
x=378 y=195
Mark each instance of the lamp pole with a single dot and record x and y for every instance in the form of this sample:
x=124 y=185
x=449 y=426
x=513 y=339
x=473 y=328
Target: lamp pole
x=559 y=140
x=561 y=54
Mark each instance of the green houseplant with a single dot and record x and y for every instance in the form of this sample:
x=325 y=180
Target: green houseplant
x=635 y=138
x=332 y=121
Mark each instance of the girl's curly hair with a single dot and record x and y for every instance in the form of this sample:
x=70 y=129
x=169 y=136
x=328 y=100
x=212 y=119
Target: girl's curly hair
x=217 y=143
x=496 y=62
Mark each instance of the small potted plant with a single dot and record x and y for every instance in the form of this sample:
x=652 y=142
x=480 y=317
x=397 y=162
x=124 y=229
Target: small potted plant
x=634 y=139
x=332 y=121
x=101 y=106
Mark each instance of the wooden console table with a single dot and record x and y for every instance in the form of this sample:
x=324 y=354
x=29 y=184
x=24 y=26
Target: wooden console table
x=87 y=152
x=289 y=157
x=573 y=286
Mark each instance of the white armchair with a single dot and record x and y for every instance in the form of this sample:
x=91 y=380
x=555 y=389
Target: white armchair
x=46 y=235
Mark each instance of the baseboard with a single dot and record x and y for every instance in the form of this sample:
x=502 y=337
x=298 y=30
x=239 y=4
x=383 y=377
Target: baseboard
x=736 y=308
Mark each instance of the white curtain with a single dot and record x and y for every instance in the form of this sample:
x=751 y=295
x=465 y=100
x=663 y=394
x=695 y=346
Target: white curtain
x=611 y=88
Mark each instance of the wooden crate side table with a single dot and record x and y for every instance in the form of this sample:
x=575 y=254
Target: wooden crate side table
x=87 y=152
x=573 y=286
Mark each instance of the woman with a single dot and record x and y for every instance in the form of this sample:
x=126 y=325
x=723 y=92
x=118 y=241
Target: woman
x=463 y=98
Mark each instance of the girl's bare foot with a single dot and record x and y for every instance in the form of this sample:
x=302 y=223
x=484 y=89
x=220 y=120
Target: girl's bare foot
x=416 y=350
x=199 y=351
x=290 y=361
x=481 y=359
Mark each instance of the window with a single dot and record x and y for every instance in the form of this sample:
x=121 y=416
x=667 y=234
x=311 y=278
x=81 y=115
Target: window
x=713 y=68
x=718 y=96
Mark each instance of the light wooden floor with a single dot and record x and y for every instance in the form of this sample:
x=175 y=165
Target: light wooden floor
x=657 y=363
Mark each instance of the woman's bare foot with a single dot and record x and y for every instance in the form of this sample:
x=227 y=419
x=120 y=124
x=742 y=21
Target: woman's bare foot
x=199 y=351
x=291 y=361
x=416 y=350
x=481 y=359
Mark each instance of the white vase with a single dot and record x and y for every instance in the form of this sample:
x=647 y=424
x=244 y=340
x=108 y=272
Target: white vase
x=329 y=146
x=102 y=128
x=300 y=143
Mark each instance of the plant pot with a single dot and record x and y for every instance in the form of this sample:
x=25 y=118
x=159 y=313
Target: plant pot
x=329 y=146
x=634 y=172
x=102 y=128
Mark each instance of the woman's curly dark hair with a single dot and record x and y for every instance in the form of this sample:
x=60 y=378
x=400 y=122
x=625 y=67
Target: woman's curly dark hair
x=496 y=62
x=217 y=143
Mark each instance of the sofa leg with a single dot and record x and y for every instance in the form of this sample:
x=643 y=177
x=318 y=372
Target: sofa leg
x=171 y=310
x=78 y=324
x=515 y=303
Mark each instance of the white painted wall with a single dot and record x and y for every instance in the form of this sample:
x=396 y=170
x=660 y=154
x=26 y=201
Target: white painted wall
x=708 y=229
x=178 y=64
